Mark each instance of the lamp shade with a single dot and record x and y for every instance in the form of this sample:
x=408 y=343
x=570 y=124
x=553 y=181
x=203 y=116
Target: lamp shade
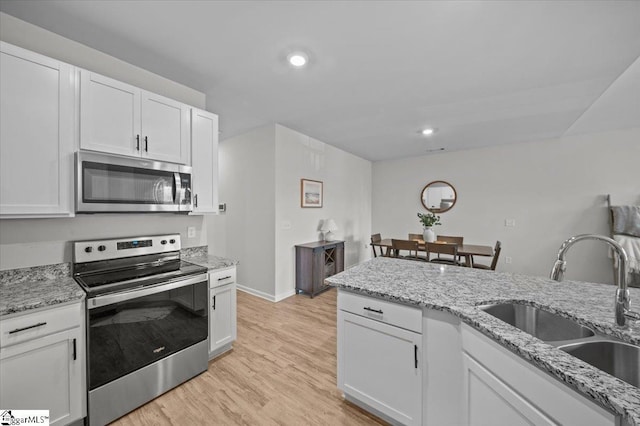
x=329 y=225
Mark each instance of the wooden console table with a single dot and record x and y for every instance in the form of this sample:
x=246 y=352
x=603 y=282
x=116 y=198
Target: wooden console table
x=316 y=261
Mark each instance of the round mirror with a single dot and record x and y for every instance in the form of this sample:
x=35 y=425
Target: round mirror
x=438 y=196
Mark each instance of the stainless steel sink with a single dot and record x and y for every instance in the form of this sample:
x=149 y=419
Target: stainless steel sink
x=619 y=359
x=542 y=324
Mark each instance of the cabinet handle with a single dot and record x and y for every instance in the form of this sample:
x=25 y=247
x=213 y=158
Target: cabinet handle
x=195 y=200
x=137 y=142
x=146 y=144
x=415 y=355
x=18 y=330
x=224 y=278
x=74 y=350
x=214 y=303
x=377 y=311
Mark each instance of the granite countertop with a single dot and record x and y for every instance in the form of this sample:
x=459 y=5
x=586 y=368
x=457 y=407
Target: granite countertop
x=37 y=287
x=40 y=286
x=459 y=290
x=211 y=262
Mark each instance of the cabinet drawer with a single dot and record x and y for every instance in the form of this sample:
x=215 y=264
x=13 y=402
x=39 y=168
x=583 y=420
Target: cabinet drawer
x=39 y=323
x=407 y=317
x=222 y=277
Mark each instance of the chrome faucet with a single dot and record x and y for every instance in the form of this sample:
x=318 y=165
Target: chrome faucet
x=622 y=311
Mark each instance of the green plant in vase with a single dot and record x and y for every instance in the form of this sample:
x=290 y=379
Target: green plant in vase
x=428 y=221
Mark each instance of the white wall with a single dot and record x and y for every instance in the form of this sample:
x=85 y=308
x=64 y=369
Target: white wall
x=553 y=189
x=247 y=185
x=347 y=199
x=29 y=242
x=260 y=176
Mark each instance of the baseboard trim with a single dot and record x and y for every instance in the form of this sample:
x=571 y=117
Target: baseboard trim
x=257 y=293
x=266 y=296
x=285 y=295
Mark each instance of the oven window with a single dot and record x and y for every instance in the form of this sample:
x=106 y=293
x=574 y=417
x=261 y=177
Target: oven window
x=129 y=335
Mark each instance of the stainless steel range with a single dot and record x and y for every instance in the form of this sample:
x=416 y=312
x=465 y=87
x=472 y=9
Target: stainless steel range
x=147 y=322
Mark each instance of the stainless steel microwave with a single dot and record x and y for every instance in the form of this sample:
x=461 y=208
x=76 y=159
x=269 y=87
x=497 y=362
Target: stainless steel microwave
x=114 y=184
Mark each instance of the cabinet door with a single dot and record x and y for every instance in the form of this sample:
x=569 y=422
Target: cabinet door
x=499 y=387
x=223 y=316
x=380 y=366
x=45 y=374
x=109 y=115
x=489 y=401
x=36 y=134
x=165 y=129
x=204 y=160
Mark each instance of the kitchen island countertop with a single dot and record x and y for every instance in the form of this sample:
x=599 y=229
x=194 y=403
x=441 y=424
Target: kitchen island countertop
x=459 y=291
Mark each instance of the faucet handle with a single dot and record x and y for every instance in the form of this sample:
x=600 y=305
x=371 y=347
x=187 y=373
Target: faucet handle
x=557 y=272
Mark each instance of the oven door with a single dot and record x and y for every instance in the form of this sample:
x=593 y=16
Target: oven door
x=108 y=183
x=130 y=330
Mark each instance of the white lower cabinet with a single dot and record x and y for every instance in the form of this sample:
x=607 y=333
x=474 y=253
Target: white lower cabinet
x=499 y=388
x=379 y=362
x=412 y=366
x=42 y=363
x=222 y=314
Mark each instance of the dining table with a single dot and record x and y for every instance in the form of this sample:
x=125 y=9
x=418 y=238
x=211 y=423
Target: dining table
x=468 y=251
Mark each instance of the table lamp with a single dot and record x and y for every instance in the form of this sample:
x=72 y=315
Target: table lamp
x=328 y=226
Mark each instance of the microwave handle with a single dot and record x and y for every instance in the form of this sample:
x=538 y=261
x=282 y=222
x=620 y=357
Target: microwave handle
x=177 y=188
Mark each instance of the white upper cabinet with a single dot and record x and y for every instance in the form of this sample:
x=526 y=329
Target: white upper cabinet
x=37 y=139
x=165 y=129
x=122 y=119
x=109 y=115
x=204 y=160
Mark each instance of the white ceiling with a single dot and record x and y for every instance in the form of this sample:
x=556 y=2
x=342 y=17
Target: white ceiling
x=481 y=72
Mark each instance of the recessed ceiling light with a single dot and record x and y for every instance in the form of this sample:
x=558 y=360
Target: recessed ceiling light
x=297 y=59
x=427 y=132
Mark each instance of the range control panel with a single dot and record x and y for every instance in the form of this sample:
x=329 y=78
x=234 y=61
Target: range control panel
x=133 y=244
x=90 y=251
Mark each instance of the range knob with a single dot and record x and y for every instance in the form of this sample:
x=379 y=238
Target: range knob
x=172 y=241
x=88 y=249
x=102 y=248
x=163 y=242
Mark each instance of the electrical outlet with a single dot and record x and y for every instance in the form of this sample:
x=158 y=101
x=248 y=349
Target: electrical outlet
x=191 y=232
x=508 y=259
x=510 y=223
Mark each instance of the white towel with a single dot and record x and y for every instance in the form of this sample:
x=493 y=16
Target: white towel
x=626 y=220
x=632 y=246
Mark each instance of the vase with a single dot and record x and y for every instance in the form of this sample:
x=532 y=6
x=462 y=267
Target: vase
x=428 y=235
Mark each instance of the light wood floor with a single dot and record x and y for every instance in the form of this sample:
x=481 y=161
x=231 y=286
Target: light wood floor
x=282 y=371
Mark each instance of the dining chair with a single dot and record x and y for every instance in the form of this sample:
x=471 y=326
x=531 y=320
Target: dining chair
x=449 y=239
x=376 y=238
x=419 y=237
x=408 y=245
x=494 y=262
x=448 y=249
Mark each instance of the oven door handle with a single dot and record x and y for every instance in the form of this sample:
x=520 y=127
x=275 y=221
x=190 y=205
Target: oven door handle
x=110 y=299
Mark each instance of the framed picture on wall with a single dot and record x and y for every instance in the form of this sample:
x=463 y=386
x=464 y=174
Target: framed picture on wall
x=310 y=193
